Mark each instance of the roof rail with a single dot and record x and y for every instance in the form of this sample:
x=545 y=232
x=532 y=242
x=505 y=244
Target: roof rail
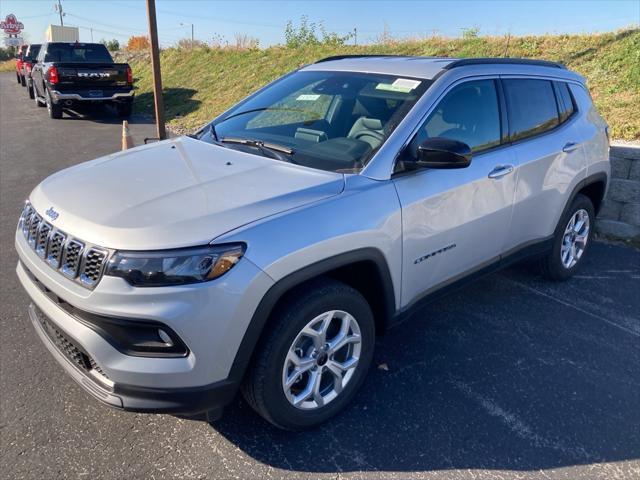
x=342 y=57
x=502 y=61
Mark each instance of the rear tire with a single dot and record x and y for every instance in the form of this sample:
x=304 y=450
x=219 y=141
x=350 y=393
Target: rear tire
x=30 y=91
x=301 y=375
x=55 y=110
x=18 y=77
x=571 y=241
x=23 y=81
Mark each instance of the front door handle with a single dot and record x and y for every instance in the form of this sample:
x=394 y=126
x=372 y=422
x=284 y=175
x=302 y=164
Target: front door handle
x=569 y=147
x=500 y=171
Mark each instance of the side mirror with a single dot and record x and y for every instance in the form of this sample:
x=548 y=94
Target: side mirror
x=438 y=152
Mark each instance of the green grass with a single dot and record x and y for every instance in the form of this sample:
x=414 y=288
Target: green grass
x=7 y=65
x=203 y=82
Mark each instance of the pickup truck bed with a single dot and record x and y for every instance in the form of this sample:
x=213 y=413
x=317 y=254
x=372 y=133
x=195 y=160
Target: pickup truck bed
x=70 y=73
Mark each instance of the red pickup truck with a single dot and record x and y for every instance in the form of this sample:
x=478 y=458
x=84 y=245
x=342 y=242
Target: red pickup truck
x=28 y=59
x=22 y=49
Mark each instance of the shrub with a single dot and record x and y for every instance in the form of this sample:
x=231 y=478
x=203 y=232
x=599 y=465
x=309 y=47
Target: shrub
x=305 y=34
x=137 y=43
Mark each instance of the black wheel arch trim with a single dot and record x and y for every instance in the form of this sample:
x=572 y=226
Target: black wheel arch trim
x=590 y=180
x=284 y=285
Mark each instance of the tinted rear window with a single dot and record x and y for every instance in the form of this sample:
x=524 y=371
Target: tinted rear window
x=532 y=107
x=33 y=51
x=565 y=101
x=77 y=53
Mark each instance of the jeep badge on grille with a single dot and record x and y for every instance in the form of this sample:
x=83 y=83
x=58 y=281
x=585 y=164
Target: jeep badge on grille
x=52 y=214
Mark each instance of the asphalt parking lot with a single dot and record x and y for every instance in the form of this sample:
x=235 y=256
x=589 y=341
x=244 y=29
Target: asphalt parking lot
x=512 y=377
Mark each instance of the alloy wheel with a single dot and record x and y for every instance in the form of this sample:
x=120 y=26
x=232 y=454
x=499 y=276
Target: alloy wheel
x=575 y=238
x=321 y=360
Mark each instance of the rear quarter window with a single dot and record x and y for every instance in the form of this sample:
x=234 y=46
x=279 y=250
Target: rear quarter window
x=566 y=104
x=531 y=105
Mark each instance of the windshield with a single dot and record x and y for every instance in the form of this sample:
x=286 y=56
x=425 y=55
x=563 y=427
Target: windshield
x=77 y=53
x=327 y=120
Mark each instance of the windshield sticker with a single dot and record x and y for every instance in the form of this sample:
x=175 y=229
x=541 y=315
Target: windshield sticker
x=407 y=83
x=308 y=97
x=390 y=87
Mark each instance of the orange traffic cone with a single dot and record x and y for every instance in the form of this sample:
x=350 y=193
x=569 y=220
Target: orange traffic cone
x=127 y=141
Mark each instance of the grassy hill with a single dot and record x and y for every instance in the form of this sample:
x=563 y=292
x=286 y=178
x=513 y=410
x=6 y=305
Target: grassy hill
x=203 y=82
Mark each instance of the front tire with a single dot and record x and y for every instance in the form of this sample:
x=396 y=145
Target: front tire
x=30 y=91
x=55 y=110
x=36 y=98
x=18 y=77
x=23 y=81
x=571 y=241
x=314 y=358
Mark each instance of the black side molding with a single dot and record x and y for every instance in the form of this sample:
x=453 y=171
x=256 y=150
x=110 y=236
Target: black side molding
x=275 y=293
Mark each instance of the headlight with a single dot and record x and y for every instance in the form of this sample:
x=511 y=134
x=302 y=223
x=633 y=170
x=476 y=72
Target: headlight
x=175 y=267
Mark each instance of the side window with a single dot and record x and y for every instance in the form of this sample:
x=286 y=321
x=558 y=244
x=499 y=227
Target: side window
x=565 y=101
x=531 y=105
x=469 y=113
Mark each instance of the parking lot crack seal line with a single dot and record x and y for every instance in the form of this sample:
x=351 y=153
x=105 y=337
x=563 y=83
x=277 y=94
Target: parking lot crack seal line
x=567 y=304
x=517 y=426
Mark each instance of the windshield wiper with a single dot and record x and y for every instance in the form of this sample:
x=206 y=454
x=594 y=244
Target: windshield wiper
x=258 y=144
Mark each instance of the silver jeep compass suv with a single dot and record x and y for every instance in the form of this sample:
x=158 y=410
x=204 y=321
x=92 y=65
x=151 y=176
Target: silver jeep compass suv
x=265 y=252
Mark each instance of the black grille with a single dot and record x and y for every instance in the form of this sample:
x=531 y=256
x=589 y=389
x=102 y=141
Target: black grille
x=42 y=238
x=26 y=219
x=80 y=262
x=56 y=243
x=34 y=223
x=67 y=346
x=71 y=258
x=92 y=269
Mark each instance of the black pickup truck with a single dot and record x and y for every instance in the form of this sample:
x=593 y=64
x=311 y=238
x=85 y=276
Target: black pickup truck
x=67 y=74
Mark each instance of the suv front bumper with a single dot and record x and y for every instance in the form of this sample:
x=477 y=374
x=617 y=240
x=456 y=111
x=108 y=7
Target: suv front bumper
x=210 y=318
x=181 y=401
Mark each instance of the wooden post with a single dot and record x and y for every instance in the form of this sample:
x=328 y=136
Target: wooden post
x=155 y=67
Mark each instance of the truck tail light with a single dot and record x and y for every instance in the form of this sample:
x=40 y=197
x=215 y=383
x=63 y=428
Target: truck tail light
x=129 y=75
x=52 y=76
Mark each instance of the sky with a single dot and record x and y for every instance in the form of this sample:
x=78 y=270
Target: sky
x=266 y=20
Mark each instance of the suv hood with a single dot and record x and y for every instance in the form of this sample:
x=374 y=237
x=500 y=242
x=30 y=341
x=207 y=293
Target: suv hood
x=176 y=193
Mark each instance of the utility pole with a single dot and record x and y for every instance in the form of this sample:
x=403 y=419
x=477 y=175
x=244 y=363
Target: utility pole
x=184 y=25
x=355 y=36
x=60 y=12
x=91 y=30
x=155 y=68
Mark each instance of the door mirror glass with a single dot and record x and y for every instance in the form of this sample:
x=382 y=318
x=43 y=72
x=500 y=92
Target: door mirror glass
x=443 y=153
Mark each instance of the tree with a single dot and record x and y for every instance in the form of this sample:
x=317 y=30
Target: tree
x=112 y=45
x=137 y=43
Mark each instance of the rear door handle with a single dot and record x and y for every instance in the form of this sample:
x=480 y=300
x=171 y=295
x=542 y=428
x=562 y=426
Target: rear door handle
x=500 y=171
x=569 y=147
